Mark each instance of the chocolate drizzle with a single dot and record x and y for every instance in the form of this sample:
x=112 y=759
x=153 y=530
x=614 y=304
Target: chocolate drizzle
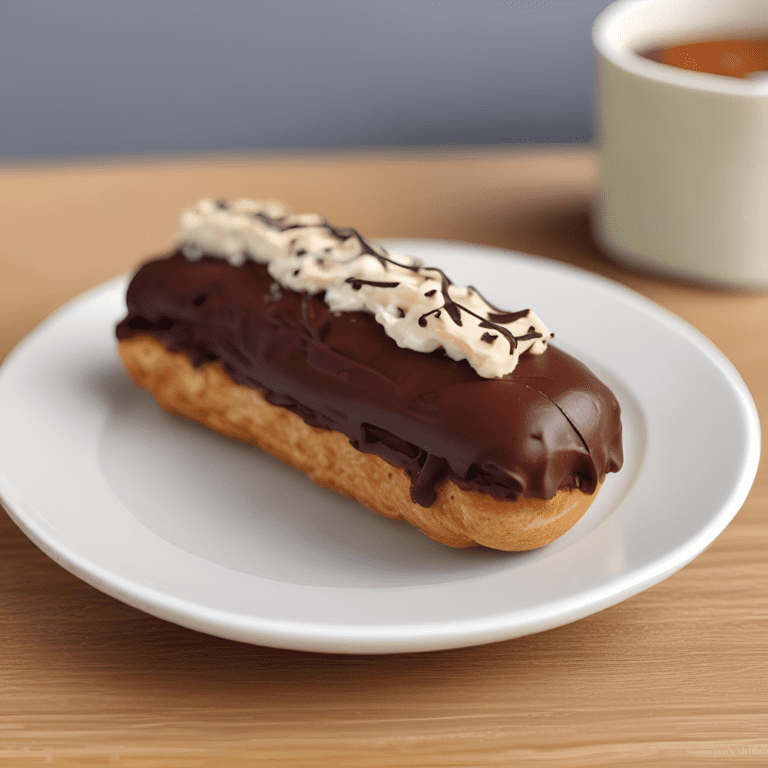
x=453 y=309
x=342 y=234
x=550 y=424
x=357 y=283
x=507 y=317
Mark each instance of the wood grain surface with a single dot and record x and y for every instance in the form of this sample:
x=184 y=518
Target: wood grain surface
x=675 y=676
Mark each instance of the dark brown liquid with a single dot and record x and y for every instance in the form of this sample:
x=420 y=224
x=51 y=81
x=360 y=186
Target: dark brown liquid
x=732 y=58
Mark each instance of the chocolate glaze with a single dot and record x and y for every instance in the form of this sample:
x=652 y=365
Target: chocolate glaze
x=550 y=424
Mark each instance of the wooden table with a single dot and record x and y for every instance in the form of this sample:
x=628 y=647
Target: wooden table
x=676 y=676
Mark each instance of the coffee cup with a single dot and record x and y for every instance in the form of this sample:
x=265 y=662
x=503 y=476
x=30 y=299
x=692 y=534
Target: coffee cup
x=683 y=155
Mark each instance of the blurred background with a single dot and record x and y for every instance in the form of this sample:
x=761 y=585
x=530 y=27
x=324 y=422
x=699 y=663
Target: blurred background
x=99 y=78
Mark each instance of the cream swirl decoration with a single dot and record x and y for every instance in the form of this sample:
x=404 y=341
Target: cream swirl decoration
x=417 y=306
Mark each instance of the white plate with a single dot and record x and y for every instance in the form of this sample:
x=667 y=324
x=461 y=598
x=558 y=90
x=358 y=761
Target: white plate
x=214 y=535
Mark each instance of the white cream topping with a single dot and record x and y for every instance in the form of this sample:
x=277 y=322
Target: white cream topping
x=417 y=306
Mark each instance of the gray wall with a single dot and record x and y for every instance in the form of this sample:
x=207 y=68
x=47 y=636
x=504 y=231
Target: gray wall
x=107 y=77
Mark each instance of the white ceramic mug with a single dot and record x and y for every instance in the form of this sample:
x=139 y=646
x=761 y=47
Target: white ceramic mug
x=683 y=180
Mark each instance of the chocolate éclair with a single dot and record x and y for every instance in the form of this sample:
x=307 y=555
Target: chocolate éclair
x=371 y=373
